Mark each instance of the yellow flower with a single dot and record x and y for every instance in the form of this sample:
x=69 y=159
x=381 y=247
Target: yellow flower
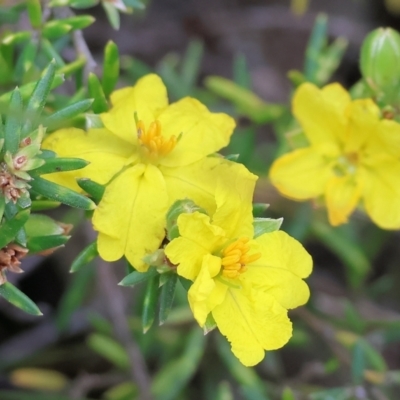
x=246 y=283
x=353 y=156
x=147 y=165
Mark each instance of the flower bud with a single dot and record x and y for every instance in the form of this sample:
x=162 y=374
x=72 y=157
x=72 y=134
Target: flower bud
x=380 y=60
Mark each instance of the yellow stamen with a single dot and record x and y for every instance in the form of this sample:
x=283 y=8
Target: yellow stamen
x=235 y=257
x=154 y=145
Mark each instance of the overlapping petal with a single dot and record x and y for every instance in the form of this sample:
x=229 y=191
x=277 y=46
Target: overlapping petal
x=198 y=181
x=201 y=132
x=381 y=192
x=234 y=212
x=131 y=215
x=147 y=99
x=343 y=193
x=198 y=238
x=362 y=125
x=107 y=154
x=253 y=321
x=303 y=173
x=321 y=113
x=281 y=268
x=201 y=292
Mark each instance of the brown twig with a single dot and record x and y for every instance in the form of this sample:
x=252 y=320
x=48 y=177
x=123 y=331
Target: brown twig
x=115 y=302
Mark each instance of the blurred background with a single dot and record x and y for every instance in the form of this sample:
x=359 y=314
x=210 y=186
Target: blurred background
x=346 y=342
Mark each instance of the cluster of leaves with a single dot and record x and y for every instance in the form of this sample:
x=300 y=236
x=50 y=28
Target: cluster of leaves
x=30 y=111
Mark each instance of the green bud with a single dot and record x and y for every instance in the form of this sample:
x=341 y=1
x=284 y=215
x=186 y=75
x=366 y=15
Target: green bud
x=179 y=207
x=380 y=60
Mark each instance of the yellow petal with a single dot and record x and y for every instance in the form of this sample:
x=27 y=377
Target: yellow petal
x=321 y=113
x=342 y=196
x=202 y=132
x=280 y=269
x=198 y=238
x=234 y=197
x=199 y=293
x=381 y=192
x=147 y=98
x=253 y=321
x=131 y=215
x=363 y=122
x=388 y=137
x=303 y=173
x=106 y=154
x=197 y=181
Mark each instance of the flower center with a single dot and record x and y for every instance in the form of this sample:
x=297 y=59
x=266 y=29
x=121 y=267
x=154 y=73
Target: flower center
x=153 y=144
x=346 y=164
x=235 y=257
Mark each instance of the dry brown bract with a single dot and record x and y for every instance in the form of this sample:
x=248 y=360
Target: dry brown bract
x=10 y=256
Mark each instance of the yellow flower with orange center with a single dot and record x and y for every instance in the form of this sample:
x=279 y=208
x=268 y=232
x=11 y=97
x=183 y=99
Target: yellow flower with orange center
x=246 y=283
x=353 y=156
x=149 y=154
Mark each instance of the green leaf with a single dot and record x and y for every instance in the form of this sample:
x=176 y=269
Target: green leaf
x=266 y=225
x=112 y=14
x=191 y=63
x=247 y=103
x=287 y=394
x=83 y=3
x=92 y=188
x=38 y=244
x=167 y=296
x=333 y=394
x=93 y=121
x=96 y=92
x=10 y=227
x=17 y=37
x=55 y=29
x=74 y=297
x=357 y=364
x=109 y=349
x=241 y=73
x=259 y=209
x=135 y=4
x=51 y=52
x=79 y=21
x=18 y=299
x=175 y=376
x=73 y=67
x=136 y=277
x=60 y=164
x=38 y=97
x=42 y=225
x=12 y=128
x=25 y=61
x=34 y=13
x=210 y=324
x=110 y=68
x=56 y=192
x=150 y=303
x=84 y=257
x=26 y=90
x=61 y=117
x=40 y=205
x=330 y=60
x=315 y=46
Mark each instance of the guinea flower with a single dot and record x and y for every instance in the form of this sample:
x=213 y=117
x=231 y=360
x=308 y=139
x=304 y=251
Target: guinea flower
x=246 y=283
x=149 y=154
x=352 y=158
